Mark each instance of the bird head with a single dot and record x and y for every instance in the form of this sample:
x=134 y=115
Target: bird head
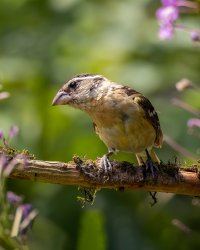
x=80 y=90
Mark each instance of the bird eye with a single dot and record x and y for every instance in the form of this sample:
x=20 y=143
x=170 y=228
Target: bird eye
x=73 y=85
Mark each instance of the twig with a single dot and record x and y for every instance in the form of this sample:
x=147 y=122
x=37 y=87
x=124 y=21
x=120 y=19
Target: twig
x=185 y=106
x=171 y=178
x=180 y=149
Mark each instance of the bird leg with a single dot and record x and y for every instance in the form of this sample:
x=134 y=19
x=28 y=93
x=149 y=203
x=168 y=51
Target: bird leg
x=105 y=162
x=150 y=165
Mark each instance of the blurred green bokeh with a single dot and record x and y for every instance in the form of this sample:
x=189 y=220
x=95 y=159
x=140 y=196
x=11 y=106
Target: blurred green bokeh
x=44 y=43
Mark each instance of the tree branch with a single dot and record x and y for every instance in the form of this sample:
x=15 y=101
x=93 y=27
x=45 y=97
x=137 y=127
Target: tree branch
x=171 y=178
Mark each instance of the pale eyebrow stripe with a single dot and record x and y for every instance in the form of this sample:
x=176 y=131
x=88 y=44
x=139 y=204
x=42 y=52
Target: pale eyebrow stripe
x=86 y=77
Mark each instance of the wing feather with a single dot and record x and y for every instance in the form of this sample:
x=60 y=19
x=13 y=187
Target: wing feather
x=149 y=112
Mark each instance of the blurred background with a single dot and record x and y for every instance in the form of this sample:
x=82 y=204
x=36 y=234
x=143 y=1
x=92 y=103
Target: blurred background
x=44 y=43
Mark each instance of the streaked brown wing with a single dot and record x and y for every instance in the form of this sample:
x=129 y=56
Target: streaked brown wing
x=149 y=111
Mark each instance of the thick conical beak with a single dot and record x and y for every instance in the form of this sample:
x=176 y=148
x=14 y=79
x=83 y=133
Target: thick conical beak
x=61 y=98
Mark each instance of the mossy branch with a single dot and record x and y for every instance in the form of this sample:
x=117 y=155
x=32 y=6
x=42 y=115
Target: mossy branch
x=171 y=178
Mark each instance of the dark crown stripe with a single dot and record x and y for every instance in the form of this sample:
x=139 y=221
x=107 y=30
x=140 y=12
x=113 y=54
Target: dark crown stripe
x=84 y=75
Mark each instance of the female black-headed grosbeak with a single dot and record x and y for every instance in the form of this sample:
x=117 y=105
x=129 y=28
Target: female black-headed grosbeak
x=123 y=118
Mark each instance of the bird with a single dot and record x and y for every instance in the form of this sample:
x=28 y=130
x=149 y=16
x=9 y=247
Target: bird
x=123 y=118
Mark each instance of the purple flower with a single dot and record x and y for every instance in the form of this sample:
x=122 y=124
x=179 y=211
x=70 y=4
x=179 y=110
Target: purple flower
x=166 y=32
x=28 y=216
x=193 y=122
x=195 y=36
x=26 y=209
x=14 y=130
x=9 y=166
x=180 y=3
x=23 y=220
x=13 y=199
x=167 y=15
x=1 y=135
x=169 y=2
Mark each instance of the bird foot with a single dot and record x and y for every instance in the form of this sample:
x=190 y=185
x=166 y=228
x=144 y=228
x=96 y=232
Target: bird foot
x=151 y=167
x=105 y=164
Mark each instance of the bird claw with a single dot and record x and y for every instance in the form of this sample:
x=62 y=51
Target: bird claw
x=106 y=165
x=151 y=167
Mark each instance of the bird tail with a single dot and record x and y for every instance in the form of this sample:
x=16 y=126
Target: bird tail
x=143 y=156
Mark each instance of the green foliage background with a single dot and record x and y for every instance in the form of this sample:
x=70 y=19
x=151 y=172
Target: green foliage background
x=44 y=43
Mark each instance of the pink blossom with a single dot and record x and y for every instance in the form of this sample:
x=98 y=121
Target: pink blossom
x=195 y=36
x=168 y=14
x=166 y=32
x=193 y=122
x=169 y=2
x=13 y=198
x=1 y=135
x=14 y=130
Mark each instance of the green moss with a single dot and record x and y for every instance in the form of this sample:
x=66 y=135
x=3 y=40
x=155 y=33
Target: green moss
x=13 y=152
x=88 y=195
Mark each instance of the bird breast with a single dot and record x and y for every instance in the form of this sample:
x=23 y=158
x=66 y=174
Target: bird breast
x=122 y=125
